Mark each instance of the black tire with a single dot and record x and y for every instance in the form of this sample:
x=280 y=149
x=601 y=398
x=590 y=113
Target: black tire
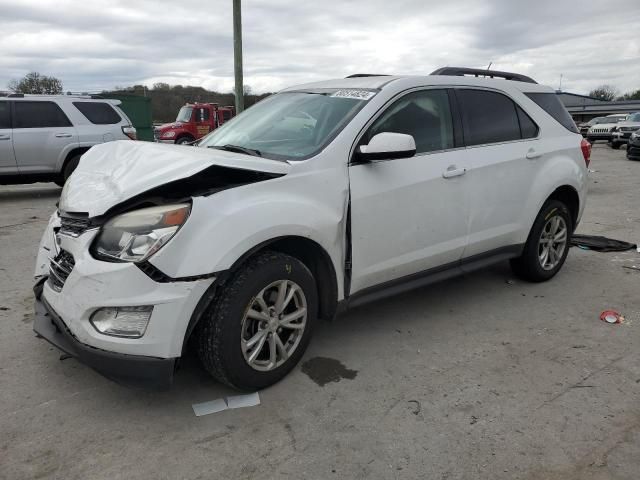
x=68 y=169
x=528 y=265
x=183 y=140
x=219 y=332
x=591 y=140
x=615 y=145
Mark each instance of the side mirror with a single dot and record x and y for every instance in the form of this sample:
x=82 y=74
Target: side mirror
x=387 y=145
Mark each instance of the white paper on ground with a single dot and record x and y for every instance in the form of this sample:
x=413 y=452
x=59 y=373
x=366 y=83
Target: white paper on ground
x=214 y=406
x=239 y=401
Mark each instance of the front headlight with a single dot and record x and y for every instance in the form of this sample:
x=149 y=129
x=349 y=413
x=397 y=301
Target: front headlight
x=135 y=236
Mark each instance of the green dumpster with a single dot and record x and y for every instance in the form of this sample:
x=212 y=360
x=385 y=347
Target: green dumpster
x=138 y=109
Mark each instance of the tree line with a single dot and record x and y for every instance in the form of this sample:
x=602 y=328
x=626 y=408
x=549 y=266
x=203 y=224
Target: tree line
x=167 y=99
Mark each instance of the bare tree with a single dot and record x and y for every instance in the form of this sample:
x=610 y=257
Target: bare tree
x=33 y=82
x=605 y=92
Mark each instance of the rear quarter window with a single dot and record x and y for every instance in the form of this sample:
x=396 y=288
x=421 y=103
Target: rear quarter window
x=551 y=104
x=98 y=113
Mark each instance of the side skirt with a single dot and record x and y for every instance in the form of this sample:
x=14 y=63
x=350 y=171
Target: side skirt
x=433 y=275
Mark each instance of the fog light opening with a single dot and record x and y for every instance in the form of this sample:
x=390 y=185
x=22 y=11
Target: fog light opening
x=128 y=322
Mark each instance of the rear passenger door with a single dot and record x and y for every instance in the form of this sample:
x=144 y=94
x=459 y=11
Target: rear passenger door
x=499 y=137
x=42 y=136
x=7 y=159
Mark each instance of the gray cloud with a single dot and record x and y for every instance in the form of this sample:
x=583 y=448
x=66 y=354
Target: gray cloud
x=93 y=45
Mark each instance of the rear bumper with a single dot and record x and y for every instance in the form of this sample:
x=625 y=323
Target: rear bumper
x=126 y=369
x=633 y=151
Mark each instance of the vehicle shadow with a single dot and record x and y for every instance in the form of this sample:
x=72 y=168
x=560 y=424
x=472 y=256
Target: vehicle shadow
x=29 y=192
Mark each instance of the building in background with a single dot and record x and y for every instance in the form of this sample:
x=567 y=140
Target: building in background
x=583 y=108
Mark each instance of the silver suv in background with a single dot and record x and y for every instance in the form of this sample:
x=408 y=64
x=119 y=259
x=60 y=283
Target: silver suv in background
x=622 y=132
x=43 y=137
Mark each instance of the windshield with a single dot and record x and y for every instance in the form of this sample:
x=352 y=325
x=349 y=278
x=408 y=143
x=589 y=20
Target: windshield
x=184 y=115
x=597 y=120
x=290 y=125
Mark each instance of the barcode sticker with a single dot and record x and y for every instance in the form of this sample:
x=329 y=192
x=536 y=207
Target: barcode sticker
x=355 y=94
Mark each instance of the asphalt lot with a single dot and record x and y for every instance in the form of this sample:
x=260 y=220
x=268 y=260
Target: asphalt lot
x=477 y=377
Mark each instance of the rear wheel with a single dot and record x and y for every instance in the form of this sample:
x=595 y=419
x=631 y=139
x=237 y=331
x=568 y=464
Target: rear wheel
x=68 y=169
x=548 y=244
x=615 y=145
x=260 y=324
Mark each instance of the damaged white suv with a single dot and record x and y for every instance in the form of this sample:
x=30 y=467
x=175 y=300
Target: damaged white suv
x=318 y=198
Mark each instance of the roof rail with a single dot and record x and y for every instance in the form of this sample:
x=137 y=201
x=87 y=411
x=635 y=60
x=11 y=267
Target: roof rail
x=358 y=75
x=479 y=72
x=16 y=95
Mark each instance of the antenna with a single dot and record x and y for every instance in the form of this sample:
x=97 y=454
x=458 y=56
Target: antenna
x=489 y=67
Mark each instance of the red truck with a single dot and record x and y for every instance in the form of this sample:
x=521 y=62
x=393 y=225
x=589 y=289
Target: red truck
x=194 y=121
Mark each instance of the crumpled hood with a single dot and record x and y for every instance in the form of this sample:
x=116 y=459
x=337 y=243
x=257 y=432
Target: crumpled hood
x=113 y=172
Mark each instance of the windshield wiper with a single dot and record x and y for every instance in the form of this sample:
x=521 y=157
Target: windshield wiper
x=237 y=149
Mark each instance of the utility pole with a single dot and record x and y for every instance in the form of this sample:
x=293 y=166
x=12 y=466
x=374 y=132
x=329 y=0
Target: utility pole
x=237 y=55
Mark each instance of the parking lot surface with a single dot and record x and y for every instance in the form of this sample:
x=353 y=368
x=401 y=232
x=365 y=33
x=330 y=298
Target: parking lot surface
x=482 y=376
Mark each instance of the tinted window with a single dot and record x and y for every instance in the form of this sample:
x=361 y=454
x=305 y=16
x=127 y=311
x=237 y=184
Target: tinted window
x=226 y=115
x=488 y=117
x=39 y=115
x=424 y=115
x=528 y=128
x=203 y=115
x=5 y=119
x=98 y=113
x=551 y=104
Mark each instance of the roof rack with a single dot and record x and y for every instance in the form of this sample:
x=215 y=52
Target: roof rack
x=479 y=72
x=358 y=75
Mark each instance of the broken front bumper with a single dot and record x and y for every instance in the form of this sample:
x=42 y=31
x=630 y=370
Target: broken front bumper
x=65 y=306
x=127 y=369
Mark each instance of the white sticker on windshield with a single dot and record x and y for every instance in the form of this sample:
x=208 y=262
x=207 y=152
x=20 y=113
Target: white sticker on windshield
x=355 y=94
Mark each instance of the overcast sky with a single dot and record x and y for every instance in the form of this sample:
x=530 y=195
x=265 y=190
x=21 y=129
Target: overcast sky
x=93 y=45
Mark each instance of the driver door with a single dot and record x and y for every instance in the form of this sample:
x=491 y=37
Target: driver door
x=409 y=215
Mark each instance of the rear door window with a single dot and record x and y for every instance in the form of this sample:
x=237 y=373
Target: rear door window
x=39 y=115
x=551 y=104
x=5 y=115
x=488 y=117
x=98 y=113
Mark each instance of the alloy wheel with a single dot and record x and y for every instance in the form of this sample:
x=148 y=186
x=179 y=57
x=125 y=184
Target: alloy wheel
x=273 y=325
x=553 y=242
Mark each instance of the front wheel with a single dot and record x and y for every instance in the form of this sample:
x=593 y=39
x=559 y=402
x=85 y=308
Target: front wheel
x=184 y=140
x=615 y=145
x=547 y=245
x=261 y=322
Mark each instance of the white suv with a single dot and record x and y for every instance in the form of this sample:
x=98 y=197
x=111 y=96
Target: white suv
x=318 y=198
x=43 y=137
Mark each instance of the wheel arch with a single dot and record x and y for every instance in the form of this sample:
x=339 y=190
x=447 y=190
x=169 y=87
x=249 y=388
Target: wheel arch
x=309 y=252
x=569 y=196
x=72 y=153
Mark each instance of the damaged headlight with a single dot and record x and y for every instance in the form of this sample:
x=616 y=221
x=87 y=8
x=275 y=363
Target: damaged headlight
x=135 y=236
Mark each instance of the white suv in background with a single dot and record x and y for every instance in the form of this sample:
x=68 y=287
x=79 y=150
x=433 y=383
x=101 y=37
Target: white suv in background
x=42 y=137
x=316 y=199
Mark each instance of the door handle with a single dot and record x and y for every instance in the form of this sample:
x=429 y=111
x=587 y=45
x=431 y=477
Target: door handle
x=63 y=135
x=452 y=171
x=5 y=137
x=532 y=154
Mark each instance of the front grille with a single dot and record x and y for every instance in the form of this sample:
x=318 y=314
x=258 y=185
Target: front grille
x=600 y=130
x=59 y=269
x=74 y=226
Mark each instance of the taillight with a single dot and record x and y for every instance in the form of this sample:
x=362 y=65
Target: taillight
x=586 y=151
x=130 y=132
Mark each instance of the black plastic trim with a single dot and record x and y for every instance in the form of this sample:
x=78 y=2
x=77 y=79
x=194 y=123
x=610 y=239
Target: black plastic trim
x=432 y=275
x=133 y=370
